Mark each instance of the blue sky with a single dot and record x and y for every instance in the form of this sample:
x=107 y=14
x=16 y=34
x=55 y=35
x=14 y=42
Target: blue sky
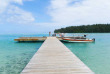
x=42 y=16
x=39 y=9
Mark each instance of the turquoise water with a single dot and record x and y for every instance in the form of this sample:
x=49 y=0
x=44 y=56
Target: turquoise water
x=14 y=56
x=95 y=55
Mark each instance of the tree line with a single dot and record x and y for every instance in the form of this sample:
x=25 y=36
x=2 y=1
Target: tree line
x=95 y=28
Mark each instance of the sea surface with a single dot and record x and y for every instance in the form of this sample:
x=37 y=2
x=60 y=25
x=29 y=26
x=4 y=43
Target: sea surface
x=95 y=55
x=14 y=56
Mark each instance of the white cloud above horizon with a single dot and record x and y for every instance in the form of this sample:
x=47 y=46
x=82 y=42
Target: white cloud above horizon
x=63 y=12
x=53 y=15
x=10 y=13
x=80 y=12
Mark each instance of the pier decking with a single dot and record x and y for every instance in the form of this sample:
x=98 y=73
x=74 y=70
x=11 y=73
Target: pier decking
x=25 y=39
x=30 y=39
x=54 y=57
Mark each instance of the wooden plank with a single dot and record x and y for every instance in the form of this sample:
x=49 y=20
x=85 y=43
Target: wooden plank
x=31 y=39
x=54 y=57
x=36 y=38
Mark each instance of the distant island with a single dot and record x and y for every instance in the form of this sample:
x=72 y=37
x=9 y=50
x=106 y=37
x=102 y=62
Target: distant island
x=95 y=28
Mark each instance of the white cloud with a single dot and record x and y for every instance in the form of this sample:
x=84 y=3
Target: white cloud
x=10 y=13
x=6 y=3
x=19 y=16
x=78 y=12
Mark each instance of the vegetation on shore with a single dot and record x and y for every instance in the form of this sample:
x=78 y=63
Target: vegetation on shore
x=96 y=28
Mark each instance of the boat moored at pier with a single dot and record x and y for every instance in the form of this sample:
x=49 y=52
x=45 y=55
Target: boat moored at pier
x=78 y=39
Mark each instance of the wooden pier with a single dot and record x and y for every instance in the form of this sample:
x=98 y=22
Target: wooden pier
x=54 y=57
x=26 y=39
x=22 y=39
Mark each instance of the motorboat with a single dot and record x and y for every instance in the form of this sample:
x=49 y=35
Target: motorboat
x=77 y=39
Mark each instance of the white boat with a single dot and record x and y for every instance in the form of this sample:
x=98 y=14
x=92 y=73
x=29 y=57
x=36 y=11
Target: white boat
x=78 y=39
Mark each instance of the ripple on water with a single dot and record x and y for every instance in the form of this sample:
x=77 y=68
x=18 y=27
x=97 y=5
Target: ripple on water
x=14 y=65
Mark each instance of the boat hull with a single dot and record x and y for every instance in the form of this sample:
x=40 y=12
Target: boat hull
x=77 y=40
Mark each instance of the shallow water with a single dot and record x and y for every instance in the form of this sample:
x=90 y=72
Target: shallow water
x=95 y=55
x=14 y=56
